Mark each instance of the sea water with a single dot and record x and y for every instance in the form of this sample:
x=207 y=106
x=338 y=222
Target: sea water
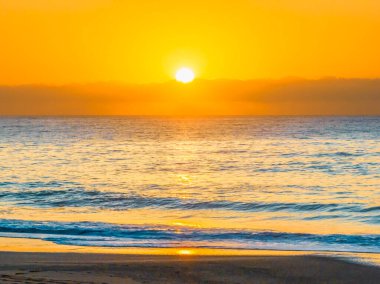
x=283 y=183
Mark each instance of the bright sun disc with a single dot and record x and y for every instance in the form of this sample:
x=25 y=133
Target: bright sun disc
x=185 y=252
x=184 y=75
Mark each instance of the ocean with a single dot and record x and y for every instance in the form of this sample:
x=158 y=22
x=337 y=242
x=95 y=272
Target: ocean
x=276 y=183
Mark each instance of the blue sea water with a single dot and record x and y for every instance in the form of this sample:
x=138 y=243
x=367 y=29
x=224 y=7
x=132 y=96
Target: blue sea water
x=284 y=183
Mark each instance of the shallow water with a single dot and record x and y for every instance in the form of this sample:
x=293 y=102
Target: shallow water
x=291 y=183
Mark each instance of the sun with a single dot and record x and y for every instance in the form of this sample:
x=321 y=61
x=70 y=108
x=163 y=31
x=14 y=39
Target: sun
x=185 y=252
x=185 y=75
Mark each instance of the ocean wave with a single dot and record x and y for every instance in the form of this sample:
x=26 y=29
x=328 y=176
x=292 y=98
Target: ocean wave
x=111 y=235
x=79 y=197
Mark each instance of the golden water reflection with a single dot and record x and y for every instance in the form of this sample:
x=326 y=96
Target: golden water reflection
x=205 y=219
x=31 y=245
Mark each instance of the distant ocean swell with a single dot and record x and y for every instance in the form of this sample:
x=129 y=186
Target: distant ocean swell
x=110 y=235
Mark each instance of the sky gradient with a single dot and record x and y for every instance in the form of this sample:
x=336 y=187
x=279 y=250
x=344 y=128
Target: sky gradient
x=51 y=49
x=81 y=41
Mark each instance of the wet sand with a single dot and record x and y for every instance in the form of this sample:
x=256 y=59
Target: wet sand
x=73 y=268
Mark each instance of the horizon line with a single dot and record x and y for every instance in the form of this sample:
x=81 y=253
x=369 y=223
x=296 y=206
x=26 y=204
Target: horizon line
x=114 y=82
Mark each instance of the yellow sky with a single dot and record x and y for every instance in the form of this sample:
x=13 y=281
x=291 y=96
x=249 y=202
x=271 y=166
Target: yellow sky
x=78 y=41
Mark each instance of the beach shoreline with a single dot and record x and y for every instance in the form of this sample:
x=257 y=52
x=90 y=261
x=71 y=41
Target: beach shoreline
x=36 y=261
x=73 y=268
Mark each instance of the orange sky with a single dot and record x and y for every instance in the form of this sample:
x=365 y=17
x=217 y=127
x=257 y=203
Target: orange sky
x=80 y=41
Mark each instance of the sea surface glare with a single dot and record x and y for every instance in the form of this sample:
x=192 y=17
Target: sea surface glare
x=289 y=183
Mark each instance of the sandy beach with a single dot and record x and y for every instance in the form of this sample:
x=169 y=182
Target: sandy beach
x=73 y=268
